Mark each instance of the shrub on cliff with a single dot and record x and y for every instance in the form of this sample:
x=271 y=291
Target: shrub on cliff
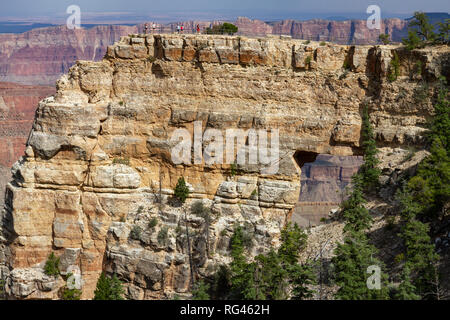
x=163 y=235
x=384 y=38
x=225 y=28
x=369 y=170
x=108 y=288
x=51 y=265
x=153 y=223
x=70 y=294
x=181 y=191
x=136 y=233
x=394 y=68
x=200 y=291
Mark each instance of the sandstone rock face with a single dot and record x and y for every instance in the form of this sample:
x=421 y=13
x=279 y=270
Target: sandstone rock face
x=98 y=166
x=41 y=55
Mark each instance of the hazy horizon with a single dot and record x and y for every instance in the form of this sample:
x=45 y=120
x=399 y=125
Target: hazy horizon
x=54 y=11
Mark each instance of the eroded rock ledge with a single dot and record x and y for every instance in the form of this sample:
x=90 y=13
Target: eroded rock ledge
x=98 y=158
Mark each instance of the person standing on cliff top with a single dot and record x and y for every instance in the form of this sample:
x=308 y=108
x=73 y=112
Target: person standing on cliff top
x=154 y=27
x=198 y=28
x=178 y=28
x=182 y=28
x=146 y=28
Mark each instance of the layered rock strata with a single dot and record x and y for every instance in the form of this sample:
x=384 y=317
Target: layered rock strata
x=98 y=167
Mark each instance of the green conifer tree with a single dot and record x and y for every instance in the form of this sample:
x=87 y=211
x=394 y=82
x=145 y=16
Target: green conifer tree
x=181 y=190
x=424 y=29
x=369 y=170
x=424 y=198
x=406 y=289
x=355 y=214
x=200 y=291
x=108 y=288
x=353 y=257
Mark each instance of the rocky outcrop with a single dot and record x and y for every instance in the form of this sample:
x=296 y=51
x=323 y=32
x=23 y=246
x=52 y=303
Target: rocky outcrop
x=98 y=165
x=42 y=55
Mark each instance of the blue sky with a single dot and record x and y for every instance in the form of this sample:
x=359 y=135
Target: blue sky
x=206 y=8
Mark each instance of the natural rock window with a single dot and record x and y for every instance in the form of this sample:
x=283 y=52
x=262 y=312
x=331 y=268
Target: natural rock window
x=323 y=182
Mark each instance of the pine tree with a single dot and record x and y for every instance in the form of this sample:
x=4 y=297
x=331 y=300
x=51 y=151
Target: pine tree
x=222 y=283
x=353 y=257
x=356 y=254
x=424 y=198
x=384 y=38
x=181 y=190
x=355 y=214
x=369 y=171
x=200 y=291
x=440 y=125
x=420 y=256
x=274 y=275
x=108 y=288
x=422 y=26
x=293 y=239
x=302 y=278
x=241 y=273
x=406 y=290
x=412 y=41
x=270 y=280
x=444 y=32
x=430 y=186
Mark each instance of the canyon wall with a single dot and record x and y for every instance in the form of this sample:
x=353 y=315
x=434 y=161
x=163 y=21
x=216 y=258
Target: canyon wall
x=40 y=56
x=17 y=107
x=98 y=162
x=344 y=32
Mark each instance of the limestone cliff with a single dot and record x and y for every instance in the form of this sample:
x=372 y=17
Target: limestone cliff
x=98 y=162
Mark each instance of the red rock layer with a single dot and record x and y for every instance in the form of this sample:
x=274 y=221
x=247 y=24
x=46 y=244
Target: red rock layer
x=41 y=55
x=17 y=106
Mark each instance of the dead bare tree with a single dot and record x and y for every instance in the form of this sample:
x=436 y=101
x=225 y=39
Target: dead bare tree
x=191 y=265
